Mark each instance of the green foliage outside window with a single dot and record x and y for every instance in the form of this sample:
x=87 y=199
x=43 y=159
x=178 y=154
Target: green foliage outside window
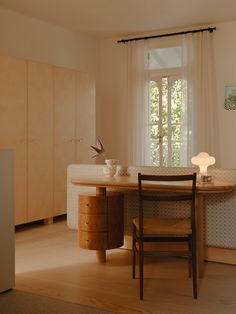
x=165 y=112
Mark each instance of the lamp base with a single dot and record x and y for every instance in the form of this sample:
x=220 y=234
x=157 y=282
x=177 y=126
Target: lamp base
x=206 y=179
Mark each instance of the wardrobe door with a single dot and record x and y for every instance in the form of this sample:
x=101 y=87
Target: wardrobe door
x=64 y=133
x=85 y=117
x=40 y=141
x=13 y=126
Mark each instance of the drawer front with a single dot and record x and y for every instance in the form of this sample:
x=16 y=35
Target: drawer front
x=95 y=204
x=93 y=240
x=95 y=223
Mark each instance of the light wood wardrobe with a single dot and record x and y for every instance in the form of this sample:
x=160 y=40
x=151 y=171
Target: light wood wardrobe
x=47 y=116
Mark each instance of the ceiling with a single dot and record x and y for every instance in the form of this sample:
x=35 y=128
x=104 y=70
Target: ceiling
x=108 y=18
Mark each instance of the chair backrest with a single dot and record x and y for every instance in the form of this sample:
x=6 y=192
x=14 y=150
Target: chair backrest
x=156 y=188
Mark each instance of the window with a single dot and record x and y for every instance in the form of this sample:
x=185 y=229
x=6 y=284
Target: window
x=170 y=98
x=165 y=106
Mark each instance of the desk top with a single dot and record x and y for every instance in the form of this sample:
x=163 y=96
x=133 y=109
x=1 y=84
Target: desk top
x=131 y=182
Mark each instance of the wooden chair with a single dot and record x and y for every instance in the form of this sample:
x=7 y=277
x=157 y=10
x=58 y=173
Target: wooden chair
x=165 y=229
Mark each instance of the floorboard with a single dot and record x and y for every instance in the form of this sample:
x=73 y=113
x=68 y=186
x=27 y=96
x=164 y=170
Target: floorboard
x=50 y=263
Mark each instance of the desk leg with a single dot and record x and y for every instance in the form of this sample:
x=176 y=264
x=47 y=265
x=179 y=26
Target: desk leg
x=101 y=254
x=100 y=191
x=200 y=234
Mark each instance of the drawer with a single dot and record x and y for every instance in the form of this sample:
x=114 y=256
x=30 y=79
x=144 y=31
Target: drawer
x=93 y=240
x=92 y=204
x=95 y=223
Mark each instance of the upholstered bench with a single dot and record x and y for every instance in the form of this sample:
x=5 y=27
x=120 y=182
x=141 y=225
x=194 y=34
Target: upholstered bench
x=220 y=216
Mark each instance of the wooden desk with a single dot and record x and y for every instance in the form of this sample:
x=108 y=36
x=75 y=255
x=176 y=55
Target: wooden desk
x=131 y=182
x=101 y=222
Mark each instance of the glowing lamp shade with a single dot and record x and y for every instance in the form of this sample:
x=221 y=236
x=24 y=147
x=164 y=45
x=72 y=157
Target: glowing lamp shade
x=203 y=160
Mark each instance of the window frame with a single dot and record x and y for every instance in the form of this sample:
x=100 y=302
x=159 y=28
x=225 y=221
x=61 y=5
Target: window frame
x=157 y=75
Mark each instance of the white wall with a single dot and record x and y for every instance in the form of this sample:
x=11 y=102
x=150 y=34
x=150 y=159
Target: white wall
x=112 y=91
x=29 y=38
x=225 y=57
x=111 y=99
x=25 y=37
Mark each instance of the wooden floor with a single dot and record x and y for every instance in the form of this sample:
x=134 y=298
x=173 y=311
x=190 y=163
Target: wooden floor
x=49 y=262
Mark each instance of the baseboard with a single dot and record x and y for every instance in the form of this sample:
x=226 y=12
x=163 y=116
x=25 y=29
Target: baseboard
x=220 y=255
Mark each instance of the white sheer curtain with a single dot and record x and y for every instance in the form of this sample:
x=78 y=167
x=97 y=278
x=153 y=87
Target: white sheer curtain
x=201 y=119
x=138 y=139
x=199 y=129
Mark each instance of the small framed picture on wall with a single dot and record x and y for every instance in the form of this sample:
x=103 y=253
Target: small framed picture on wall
x=230 y=97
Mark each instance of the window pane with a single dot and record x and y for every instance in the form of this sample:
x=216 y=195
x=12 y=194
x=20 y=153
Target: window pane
x=154 y=132
x=175 y=154
x=165 y=132
x=164 y=154
x=155 y=156
x=164 y=100
x=175 y=132
x=176 y=101
x=153 y=102
x=162 y=58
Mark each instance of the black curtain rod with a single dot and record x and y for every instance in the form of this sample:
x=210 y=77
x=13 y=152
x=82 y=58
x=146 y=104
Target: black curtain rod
x=209 y=29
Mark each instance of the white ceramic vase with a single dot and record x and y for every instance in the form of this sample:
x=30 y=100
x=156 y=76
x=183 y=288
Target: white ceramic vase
x=110 y=168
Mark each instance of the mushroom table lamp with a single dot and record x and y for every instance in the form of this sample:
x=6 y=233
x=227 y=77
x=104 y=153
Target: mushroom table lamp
x=203 y=160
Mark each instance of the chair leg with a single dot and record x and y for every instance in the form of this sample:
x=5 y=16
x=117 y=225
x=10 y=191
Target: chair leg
x=190 y=258
x=194 y=268
x=141 y=271
x=134 y=252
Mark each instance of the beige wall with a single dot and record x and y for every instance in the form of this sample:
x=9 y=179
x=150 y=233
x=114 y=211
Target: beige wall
x=111 y=99
x=112 y=92
x=225 y=57
x=29 y=38
x=25 y=37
